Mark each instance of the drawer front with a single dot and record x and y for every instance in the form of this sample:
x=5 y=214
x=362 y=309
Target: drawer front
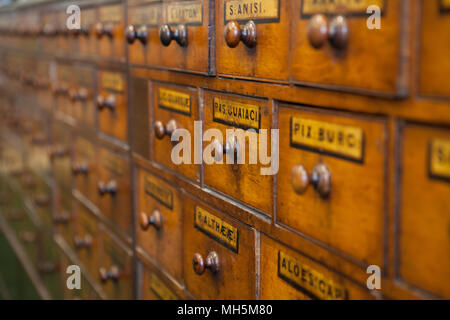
x=159 y=229
x=190 y=50
x=86 y=239
x=288 y=275
x=63 y=216
x=142 y=34
x=42 y=84
x=61 y=88
x=60 y=155
x=425 y=209
x=332 y=46
x=228 y=112
x=112 y=105
x=264 y=53
x=226 y=250
x=85 y=168
x=331 y=166
x=434 y=62
x=114 y=189
x=81 y=94
x=174 y=107
x=87 y=40
x=110 y=31
x=115 y=269
x=156 y=287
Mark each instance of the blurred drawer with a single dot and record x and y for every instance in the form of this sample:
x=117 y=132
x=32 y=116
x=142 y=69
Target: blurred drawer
x=174 y=107
x=159 y=231
x=424 y=247
x=85 y=168
x=288 y=275
x=60 y=155
x=115 y=270
x=87 y=40
x=334 y=48
x=63 y=217
x=110 y=31
x=112 y=104
x=227 y=174
x=263 y=27
x=86 y=239
x=154 y=286
x=219 y=254
x=114 y=189
x=81 y=95
x=142 y=34
x=332 y=165
x=61 y=89
x=434 y=62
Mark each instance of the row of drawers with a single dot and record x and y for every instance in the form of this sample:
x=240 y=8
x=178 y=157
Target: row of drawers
x=308 y=42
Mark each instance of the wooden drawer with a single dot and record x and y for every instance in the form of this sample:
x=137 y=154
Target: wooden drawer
x=159 y=229
x=434 y=62
x=61 y=89
x=424 y=248
x=331 y=183
x=226 y=250
x=112 y=104
x=114 y=189
x=154 y=286
x=87 y=39
x=333 y=47
x=174 y=107
x=289 y=275
x=264 y=53
x=60 y=155
x=115 y=270
x=81 y=94
x=110 y=31
x=85 y=168
x=86 y=239
x=142 y=33
x=229 y=112
x=63 y=215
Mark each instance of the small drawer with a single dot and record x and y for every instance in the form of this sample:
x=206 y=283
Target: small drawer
x=219 y=254
x=423 y=239
x=434 y=63
x=85 y=168
x=252 y=38
x=185 y=38
x=115 y=272
x=110 y=31
x=142 y=34
x=112 y=105
x=174 y=107
x=63 y=215
x=154 y=286
x=114 y=189
x=81 y=94
x=333 y=46
x=238 y=172
x=43 y=85
x=332 y=166
x=289 y=275
x=159 y=229
x=63 y=38
x=85 y=240
x=60 y=155
x=87 y=39
x=63 y=104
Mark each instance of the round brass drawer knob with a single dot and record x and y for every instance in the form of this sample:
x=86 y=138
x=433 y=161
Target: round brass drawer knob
x=109 y=102
x=62 y=218
x=317 y=31
x=200 y=265
x=153 y=220
x=107 y=188
x=80 y=169
x=168 y=33
x=338 y=32
x=234 y=33
x=320 y=179
x=112 y=274
x=168 y=129
x=130 y=34
x=82 y=242
x=299 y=179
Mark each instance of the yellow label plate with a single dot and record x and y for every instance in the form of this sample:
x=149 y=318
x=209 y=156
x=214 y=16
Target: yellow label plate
x=236 y=114
x=328 y=138
x=216 y=228
x=185 y=13
x=158 y=191
x=160 y=289
x=308 y=280
x=175 y=101
x=113 y=164
x=440 y=158
x=145 y=15
x=348 y=7
x=256 y=10
x=112 y=81
x=445 y=5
